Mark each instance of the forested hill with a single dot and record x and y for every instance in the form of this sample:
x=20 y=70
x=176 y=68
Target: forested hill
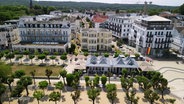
x=83 y=5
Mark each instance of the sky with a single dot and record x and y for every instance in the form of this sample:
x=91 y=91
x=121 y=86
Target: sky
x=157 y=2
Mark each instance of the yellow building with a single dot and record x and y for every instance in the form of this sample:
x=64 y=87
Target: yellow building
x=96 y=39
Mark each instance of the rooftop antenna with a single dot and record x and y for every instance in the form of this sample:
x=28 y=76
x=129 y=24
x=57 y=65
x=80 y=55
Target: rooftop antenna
x=30 y=4
x=146 y=7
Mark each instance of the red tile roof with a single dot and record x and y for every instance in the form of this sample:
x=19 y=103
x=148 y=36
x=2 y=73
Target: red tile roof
x=99 y=18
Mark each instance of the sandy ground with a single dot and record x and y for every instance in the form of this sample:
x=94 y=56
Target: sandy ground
x=102 y=99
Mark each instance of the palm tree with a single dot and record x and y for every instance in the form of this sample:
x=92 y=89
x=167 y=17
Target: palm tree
x=75 y=96
x=38 y=95
x=54 y=96
x=33 y=75
x=48 y=73
x=63 y=73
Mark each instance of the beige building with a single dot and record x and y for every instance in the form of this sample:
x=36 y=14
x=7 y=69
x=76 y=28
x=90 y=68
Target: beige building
x=96 y=39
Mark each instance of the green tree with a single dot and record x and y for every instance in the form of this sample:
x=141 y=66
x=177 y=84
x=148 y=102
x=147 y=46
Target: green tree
x=69 y=79
x=103 y=80
x=52 y=58
x=10 y=56
x=6 y=51
x=109 y=75
x=54 y=96
x=59 y=85
x=46 y=53
x=111 y=92
x=86 y=54
x=93 y=93
x=132 y=99
x=155 y=78
x=41 y=57
x=163 y=86
x=20 y=57
x=38 y=95
x=31 y=57
x=19 y=73
x=143 y=82
x=172 y=101
x=96 y=80
x=63 y=73
x=63 y=57
x=106 y=54
x=43 y=85
x=151 y=96
x=87 y=19
x=116 y=55
x=5 y=71
x=9 y=81
x=26 y=52
x=2 y=91
x=96 y=54
x=33 y=76
x=181 y=9
x=75 y=96
x=87 y=80
x=25 y=81
x=126 y=84
x=1 y=55
x=72 y=48
x=48 y=73
x=16 y=52
x=17 y=91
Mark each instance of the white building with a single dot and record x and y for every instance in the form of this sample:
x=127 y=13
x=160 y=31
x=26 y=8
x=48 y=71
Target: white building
x=94 y=39
x=178 y=40
x=9 y=35
x=151 y=32
x=43 y=33
x=119 y=25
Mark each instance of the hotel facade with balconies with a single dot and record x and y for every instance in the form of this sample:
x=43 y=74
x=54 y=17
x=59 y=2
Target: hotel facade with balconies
x=43 y=34
x=151 y=33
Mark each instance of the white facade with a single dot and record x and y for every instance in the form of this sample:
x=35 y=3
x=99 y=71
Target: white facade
x=93 y=39
x=9 y=35
x=43 y=31
x=178 y=40
x=151 y=32
x=119 y=25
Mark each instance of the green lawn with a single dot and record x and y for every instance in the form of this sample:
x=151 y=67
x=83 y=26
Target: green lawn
x=40 y=70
